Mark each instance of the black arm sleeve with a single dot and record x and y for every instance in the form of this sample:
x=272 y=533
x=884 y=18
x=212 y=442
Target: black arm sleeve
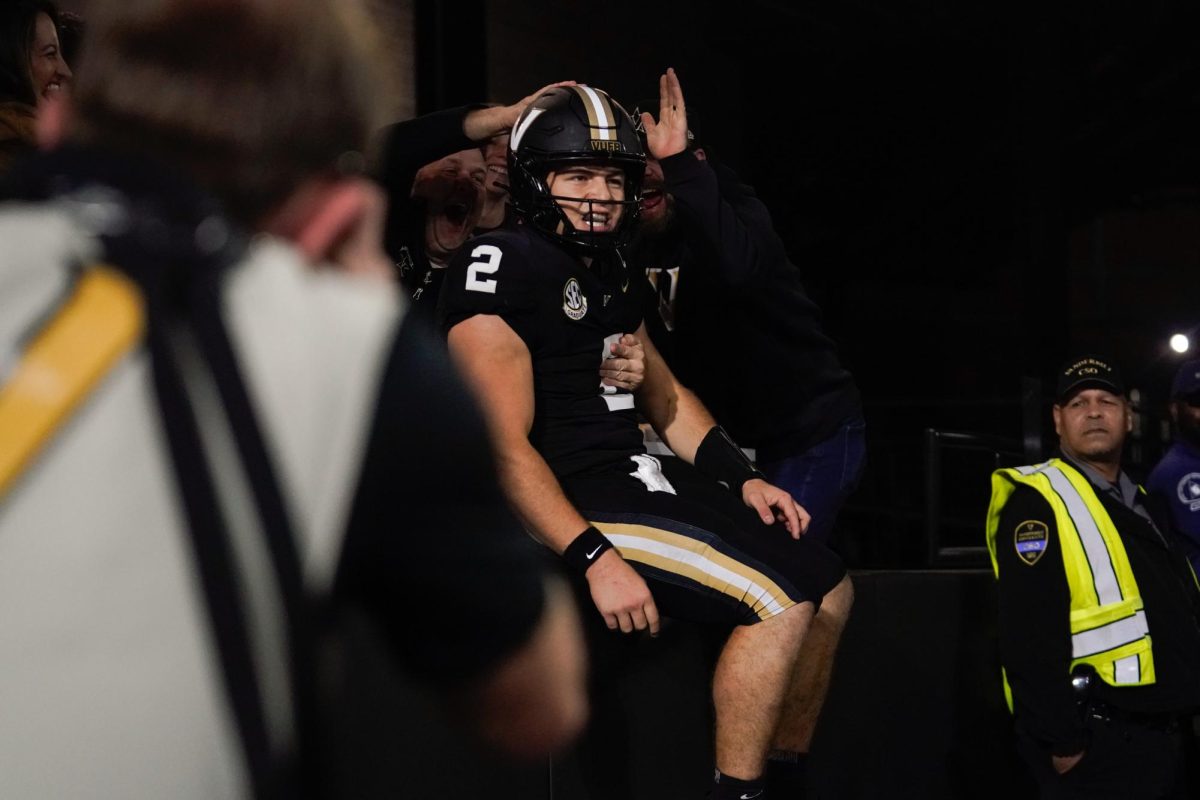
x=407 y=146
x=735 y=223
x=1035 y=629
x=432 y=551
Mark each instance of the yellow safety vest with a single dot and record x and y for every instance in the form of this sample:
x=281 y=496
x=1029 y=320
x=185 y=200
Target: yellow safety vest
x=1108 y=622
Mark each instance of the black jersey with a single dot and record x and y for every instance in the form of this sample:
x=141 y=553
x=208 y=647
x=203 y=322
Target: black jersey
x=568 y=315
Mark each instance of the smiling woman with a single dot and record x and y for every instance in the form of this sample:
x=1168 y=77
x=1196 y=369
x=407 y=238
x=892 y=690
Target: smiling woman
x=32 y=70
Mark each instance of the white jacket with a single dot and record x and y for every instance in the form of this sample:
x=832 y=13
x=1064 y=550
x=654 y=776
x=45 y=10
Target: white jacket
x=109 y=684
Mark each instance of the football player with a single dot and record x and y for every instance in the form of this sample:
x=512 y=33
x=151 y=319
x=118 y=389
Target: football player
x=529 y=312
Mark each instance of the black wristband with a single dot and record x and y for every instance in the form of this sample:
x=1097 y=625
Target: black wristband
x=585 y=549
x=721 y=459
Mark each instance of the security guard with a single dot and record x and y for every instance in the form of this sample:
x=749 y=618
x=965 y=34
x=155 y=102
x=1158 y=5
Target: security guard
x=1099 y=612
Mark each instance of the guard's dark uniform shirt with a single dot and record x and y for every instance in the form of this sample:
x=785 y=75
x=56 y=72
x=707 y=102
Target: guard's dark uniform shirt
x=568 y=315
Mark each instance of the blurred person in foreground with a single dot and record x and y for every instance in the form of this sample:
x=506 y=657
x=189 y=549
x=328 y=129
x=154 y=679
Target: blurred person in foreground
x=1099 y=610
x=1176 y=478
x=206 y=438
x=32 y=71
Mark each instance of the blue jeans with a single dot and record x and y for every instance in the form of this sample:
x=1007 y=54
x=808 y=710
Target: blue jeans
x=823 y=476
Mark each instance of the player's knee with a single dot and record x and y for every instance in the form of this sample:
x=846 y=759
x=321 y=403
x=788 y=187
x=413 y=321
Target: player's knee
x=836 y=605
x=796 y=617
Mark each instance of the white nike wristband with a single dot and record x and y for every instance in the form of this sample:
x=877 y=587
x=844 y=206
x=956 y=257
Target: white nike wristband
x=586 y=549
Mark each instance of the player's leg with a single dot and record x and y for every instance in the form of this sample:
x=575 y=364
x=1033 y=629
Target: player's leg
x=707 y=557
x=820 y=479
x=750 y=687
x=805 y=697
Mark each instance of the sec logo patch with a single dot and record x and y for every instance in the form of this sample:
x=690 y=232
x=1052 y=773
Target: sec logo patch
x=574 y=303
x=1031 y=539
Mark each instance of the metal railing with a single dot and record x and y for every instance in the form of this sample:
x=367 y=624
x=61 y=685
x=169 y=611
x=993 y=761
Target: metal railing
x=991 y=453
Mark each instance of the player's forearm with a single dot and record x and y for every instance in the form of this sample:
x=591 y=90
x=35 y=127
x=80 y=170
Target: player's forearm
x=676 y=414
x=407 y=146
x=481 y=124
x=537 y=498
x=678 y=417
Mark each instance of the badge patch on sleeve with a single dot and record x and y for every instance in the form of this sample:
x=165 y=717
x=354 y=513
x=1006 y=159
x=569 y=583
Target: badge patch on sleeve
x=1189 y=491
x=1031 y=538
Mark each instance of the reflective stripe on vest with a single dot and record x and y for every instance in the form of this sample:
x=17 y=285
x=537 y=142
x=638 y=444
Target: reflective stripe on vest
x=1104 y=578
x=1109 y=630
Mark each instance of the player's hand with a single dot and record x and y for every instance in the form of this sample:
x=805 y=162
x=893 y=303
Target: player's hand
x=621 y=596
x=484 y=123
x=514 y=111
x=773 y=503
x=1064 y=764
x=668 y=136
x=625 y=366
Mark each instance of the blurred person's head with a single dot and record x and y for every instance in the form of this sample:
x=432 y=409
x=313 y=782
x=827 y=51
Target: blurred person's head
x=452 y=191
x=495 y=194
x=1185 y=402
x=495 y=154
x=658 y=206
x=32 y=68
x=71 y=30
x=265 y=103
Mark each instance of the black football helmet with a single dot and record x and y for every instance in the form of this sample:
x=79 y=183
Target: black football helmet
x=574 y=125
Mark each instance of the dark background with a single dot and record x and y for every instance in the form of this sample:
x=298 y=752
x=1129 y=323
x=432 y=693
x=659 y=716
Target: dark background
x=973 y=191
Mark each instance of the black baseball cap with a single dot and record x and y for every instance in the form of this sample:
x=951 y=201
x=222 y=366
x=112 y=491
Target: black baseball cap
x=1088 y=372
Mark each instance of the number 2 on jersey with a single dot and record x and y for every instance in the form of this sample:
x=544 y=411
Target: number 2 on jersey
x=492 y=255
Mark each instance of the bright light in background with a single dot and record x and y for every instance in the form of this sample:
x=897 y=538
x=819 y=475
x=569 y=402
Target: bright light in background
x=1180 y=343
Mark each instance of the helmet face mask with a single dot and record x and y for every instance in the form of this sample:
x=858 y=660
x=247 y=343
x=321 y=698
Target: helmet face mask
x=571 y=128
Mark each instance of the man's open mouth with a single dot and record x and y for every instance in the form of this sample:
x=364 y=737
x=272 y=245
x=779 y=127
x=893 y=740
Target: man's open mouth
x=652 y=199
x=453 y=221
x=456 y=213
